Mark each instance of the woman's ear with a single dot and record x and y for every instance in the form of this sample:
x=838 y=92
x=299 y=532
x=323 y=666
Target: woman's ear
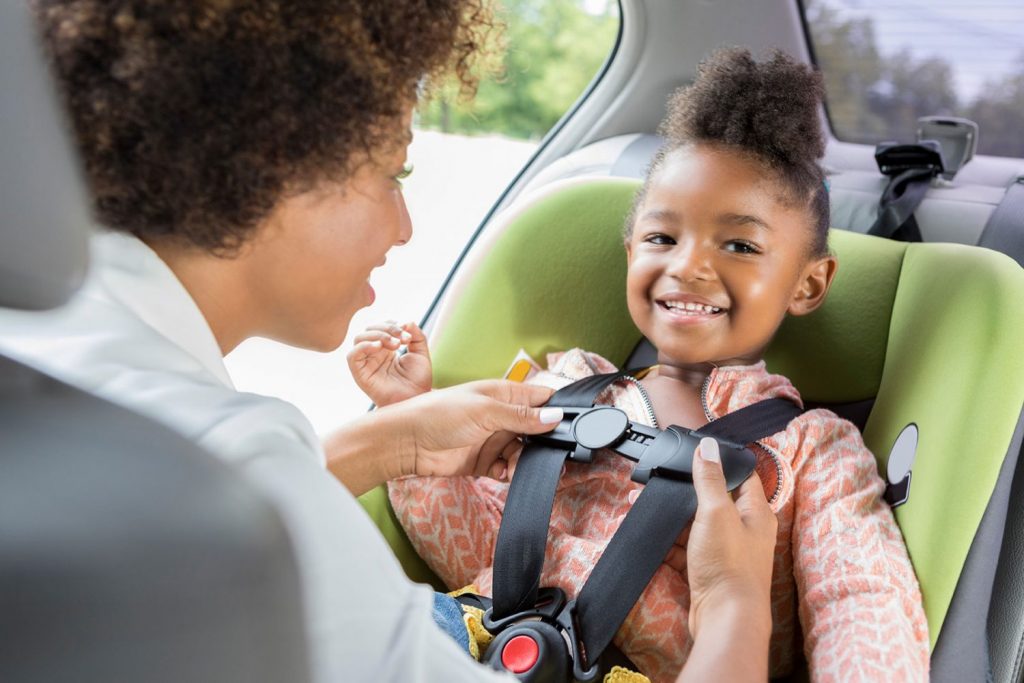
x=815 y=281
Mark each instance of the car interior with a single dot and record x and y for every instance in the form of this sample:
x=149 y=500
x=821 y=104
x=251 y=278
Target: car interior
x=926 y=334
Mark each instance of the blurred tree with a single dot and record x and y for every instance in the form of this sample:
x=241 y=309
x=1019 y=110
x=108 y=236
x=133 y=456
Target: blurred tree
x=911 y=89
x=872 y=97
x=999 y=113
x=551 y=51
x=852 y=66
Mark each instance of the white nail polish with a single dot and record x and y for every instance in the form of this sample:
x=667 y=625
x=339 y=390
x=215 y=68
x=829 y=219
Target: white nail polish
x=550 y=415
x=709 y=450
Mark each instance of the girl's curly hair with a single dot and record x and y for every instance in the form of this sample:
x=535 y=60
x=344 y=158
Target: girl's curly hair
x=768 y=110
x=195 y=117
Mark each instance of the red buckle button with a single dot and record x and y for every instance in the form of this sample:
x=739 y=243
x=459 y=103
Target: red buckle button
x=520 y=654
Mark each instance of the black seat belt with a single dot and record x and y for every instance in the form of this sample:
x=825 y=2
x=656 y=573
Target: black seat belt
x=1004 y=230
x=664 y=508
x=896 y=207
x=911 y=169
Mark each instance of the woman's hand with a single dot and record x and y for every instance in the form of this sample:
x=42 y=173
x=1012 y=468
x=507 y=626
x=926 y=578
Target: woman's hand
x=729 y=557
x=381 y=372
x=731 y=549
x=462 y=430
x=472 y=429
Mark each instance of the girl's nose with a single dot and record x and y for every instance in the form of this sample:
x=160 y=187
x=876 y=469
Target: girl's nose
x=689 y=262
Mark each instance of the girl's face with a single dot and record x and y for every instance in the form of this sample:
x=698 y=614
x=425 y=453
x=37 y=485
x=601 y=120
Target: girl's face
x=717 y=259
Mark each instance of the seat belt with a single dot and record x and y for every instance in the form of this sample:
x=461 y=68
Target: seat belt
x=911 y=168
x=1004 y=230
x=664 y=508
x=901 y=197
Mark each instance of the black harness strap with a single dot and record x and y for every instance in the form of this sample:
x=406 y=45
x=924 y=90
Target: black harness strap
x=523 y=534
x=664 y=508
x=753 y=422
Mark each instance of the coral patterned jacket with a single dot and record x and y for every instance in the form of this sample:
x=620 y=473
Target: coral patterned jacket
x=841 y=566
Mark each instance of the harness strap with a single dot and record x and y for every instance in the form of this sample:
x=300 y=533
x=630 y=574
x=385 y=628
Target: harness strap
x=523 y=534
x=664 y=508
x=633 y=555
x=753 y=422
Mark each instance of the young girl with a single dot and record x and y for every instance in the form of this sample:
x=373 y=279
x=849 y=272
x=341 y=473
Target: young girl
x=727 y=237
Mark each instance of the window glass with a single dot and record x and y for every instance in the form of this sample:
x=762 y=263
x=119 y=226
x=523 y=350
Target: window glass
x=887 y=62
x=464 y=154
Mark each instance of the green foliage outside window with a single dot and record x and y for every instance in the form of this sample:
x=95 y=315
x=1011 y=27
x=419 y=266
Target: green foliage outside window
x=550 y=51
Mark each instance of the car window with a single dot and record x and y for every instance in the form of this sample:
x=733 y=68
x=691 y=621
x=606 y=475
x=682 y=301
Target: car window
x=464 y=153
x=887 y=63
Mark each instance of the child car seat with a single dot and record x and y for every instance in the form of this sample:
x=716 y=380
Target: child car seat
x=928 y=334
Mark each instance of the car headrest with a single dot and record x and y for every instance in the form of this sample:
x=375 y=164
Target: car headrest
x=44 y=222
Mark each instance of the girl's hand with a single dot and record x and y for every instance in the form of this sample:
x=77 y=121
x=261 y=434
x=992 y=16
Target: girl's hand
x=381 y=372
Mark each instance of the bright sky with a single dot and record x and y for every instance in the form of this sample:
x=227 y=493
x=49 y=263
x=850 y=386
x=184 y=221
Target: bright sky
x=982 y=40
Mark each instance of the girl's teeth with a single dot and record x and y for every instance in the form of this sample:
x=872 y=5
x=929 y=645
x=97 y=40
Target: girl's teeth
x=691 y=308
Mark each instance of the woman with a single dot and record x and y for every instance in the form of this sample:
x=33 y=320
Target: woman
x=245 y=158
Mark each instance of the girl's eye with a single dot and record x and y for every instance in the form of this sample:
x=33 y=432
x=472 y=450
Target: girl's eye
x=403 y=174
x=658 y=238
x=741 y=247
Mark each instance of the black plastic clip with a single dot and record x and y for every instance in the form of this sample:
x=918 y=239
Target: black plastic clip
x=550 y=602
x=585 y=430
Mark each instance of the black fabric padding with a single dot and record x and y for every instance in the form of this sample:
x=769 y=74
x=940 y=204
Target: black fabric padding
x=962 y=650
x=1006 y=612
x=1004 y=230
x=128 y=554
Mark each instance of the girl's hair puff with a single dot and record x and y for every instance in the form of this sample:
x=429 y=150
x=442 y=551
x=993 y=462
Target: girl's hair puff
x=767 y=110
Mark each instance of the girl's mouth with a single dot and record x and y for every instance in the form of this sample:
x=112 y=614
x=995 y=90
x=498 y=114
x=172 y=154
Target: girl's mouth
x=689 y=309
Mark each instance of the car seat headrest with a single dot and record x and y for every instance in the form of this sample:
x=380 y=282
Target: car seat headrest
x=44 y=225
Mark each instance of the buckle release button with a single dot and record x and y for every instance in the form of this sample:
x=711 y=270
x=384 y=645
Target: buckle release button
x=520 y=654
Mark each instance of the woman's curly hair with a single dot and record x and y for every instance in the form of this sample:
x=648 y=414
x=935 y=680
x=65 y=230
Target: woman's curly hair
x=195 y=117
x=769 y=110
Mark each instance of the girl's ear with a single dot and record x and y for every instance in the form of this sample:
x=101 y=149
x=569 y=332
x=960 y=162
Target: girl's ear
x=813 y=286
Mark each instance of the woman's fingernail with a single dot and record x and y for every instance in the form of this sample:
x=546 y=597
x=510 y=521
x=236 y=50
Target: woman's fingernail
x=709 y=450
x=375 y=344
x=550 y=415
x=632 y=496
x=503 y=473
x=406 y=337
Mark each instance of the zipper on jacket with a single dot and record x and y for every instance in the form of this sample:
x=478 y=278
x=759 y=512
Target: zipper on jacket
x=776 y=459
x=646 y=399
